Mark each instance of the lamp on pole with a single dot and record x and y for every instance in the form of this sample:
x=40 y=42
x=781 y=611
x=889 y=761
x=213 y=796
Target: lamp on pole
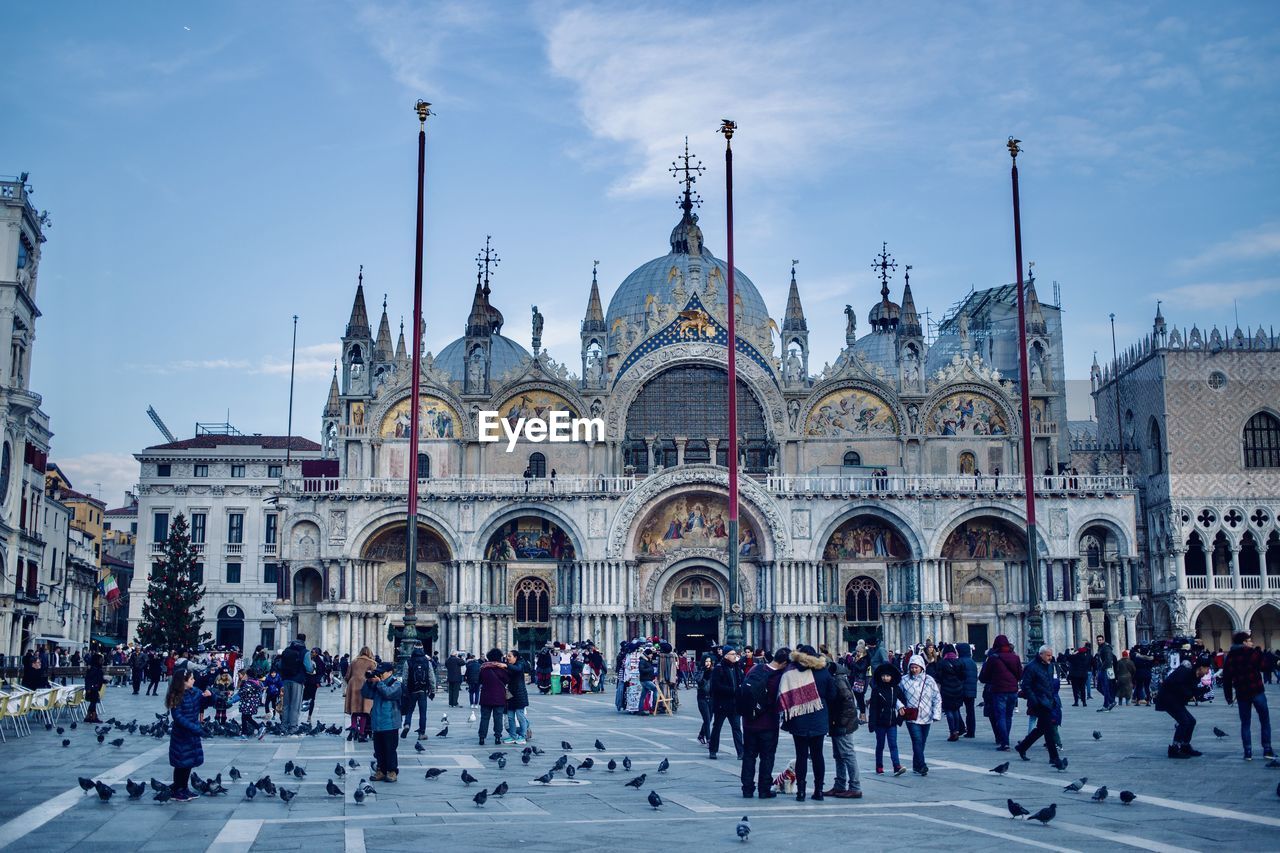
x=733 y=621
x=1035 y=618
x=410 y=633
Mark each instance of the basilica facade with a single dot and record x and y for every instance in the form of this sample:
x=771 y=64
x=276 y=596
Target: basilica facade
x=881 y=492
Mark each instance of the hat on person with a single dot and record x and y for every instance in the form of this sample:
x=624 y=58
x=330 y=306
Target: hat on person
x=385 y=666
x=728 y=648
x=917 y=660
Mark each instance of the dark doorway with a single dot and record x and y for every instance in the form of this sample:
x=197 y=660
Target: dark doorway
x=978 y=640
x=230 y=627
x=696 y=632
x=529 y=640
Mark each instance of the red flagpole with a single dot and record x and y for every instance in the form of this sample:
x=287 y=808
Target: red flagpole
x=733 y=621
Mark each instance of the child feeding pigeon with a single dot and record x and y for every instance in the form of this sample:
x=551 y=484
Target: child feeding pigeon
x=185 y=703
x=382 y=686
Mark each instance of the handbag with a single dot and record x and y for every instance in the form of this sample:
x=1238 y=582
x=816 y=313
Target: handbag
x=909 y=713
x=1111 y=673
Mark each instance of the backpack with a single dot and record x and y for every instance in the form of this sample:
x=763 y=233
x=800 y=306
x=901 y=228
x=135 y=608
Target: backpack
x=419 y=678
x=291 y=662
x=750 y=697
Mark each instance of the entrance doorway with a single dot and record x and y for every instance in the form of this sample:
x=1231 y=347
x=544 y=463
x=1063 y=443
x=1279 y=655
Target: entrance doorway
x=230 y=627
x=529 y=640
x=979 y=637
x=697 y=628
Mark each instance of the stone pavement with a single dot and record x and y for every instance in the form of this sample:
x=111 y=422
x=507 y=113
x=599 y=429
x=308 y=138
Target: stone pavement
x=1215 y=802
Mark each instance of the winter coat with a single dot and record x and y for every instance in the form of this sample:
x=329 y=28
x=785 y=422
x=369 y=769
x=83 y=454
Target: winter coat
x=1106 y=657
x=1002 y=669
x=386 y=696
x=1142 y=663
x=1079 y=664
x=1178 y=688
x=250 y=697
x=1040 y=681
x=1124 y=678
x=1242 y=668
x=815 y=723
x=882 y=708
x=94 y=678
x=493 y=684
x=965 y=653
x=725 y=679
x=356 y=702
x=922 y=694
x=842 y=713
x=704 y=677
x=951 y=683
x=185 y=749
x=419 y=660
x=646 y=670
x=516 y=673
x=471 y=672
x=453 y=667
x=296 y=662
x=274 y=684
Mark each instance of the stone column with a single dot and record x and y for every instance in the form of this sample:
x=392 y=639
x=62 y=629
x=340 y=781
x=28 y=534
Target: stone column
x=1235 y=564
x=680 y=443
x=713 y=444
x=649 y=442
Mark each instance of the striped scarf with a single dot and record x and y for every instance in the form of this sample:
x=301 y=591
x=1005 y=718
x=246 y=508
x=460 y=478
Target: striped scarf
x=797 y=693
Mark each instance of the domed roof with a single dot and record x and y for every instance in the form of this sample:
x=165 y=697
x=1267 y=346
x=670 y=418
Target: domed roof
x=655 y=278
x=886 y=311
x=880 y=348
x=506 y=355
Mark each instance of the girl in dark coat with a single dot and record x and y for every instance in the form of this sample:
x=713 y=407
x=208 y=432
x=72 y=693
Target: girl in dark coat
x=883 y=716
x=950 y=677
x=517 y=721
x=185 y=702
x=704 y=697
x=93 y=681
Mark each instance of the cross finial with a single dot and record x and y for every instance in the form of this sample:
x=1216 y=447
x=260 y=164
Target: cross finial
x=486 y=259
x=884 y=262
x=594 y=266
x=384 y=303
x=906 y=274
x=360 y=275
x=691 y=167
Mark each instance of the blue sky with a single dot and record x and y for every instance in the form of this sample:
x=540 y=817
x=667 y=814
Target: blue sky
x=213 y=169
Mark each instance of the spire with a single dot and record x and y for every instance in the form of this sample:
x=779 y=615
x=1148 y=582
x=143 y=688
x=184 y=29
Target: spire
x=382 y=349
x=1035 y=317
x=333 y=408
x=402 y=354
x=593 y=320
x=358 y=325
x=910 y=323
x=484 y=320
x=686 y=237
x=794 y=320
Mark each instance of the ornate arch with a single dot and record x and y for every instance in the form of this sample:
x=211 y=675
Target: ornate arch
x=384 y=518
x=490 y=526
x=1202 y=606
x=639 y=374
x=992 y=393
x=545 y=386
x=1253 y=611
x=867 y=386
x=949 y=525
x=759 y=504
x=683 y=566
x=1111 y=525
x=878 y=510
x=376 y=410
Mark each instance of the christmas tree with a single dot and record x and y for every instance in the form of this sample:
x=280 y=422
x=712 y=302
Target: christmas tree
x=171 y=615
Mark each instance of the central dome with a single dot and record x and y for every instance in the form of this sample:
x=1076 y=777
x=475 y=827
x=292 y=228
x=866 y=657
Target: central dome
x=506 y=354
x=656 y=278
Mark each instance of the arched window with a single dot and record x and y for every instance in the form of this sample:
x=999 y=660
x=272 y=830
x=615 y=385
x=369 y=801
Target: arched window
x=532 y=600
x=1262 y=441
x=862 y=600
x=851 y=458
x=424 y=466
x=1155 y=449
x=537 y=465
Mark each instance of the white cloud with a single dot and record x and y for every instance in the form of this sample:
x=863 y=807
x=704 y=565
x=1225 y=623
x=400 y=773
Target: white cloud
x=412 y=37
x=1219 y=293
x=314 y=360
x=1252 y=245
x=104 y=475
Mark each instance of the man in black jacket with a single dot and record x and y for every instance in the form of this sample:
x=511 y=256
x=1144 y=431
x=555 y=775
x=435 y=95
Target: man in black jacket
x=419 y=689
x=1180 y=687
x=725 y=681
x=648 y=674
x=760 y=724
x=453 y=671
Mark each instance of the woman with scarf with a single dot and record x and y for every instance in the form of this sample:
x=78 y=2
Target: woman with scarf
x=804 y=695
x=923 y=708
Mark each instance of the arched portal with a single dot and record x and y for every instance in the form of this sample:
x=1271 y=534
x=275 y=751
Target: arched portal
x=230 y=627
x=980 y=551
x=862 y=610
x=386 y=554
x=308 y=591
x=531 y=600
x=1214 y=627
x=1265 y=626
x=696 y=607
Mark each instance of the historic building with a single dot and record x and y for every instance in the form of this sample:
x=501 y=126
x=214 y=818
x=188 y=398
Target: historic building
x=24 y=427
x=881 y=492
x=1195 y=417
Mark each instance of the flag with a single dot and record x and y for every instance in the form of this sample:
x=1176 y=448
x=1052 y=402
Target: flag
x=109 y=587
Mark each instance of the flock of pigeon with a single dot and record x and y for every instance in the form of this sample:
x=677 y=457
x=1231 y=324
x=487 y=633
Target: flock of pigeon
x=1046 y=814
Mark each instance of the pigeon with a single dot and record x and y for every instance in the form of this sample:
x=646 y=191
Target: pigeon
x=1097 y=735
x=418 y=747
x=251 y=792
x=526 y=758
x=299 y=772
x=566 y=746
x=502 y=762
x=66 y=742
x=73 y=725
x=626 y=762
x=1015 y=809
x=61 y=730
x=156 y=784
x=358 y=796
x=744 y=828
x=1127 y=797
x=196 y=781
x=104 y=791
x=443 y=732
x=288 y=767
x=352 y=763
x=1046 y=814
x=467 y=778
x=118 y=742
x=1100 y=794
x=1219 y=732
x=48 y=727
x=612 y=765
x=545 y=778
x=1000 y=768
x=599 y=745
x=494 y=756
x=101 y=738
x=480 y=797
x=86 y=785
x=570 y=771
x=135 y=789
x=338 y=770
x=444 y=718
x=637 y=782
x=234 y=773
x=1275 y=762
x=561 y=762
x=332 y=789
x=163 y=795
x=287 y=795
x=500 y=790
x=434 y=773
x=587 y=763
x=664 y=766
x=1077 y=785
x=537 y=751
x=654 y=800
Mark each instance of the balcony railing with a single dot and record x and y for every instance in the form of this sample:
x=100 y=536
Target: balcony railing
x=1197 y=582
x=157 y=549
x=1222 y=582
x=270 y=549
x=198 y=547
x=1251 y=582
x=1068 y=484
x=234 y=549
x=460 y=486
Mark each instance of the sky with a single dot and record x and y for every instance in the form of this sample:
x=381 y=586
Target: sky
x=211 y=170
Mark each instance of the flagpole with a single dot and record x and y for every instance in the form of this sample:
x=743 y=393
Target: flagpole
x=293 y=359
x=733 y=621
x=1035 y=619
x=410 y=633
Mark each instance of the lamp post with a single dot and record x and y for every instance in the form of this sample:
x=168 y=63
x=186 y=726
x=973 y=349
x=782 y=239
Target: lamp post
x=410 y=633
x=1035 y=617
x=733 y=621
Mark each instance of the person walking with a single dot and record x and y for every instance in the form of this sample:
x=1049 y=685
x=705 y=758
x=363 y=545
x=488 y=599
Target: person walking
x=950 y=680
x=137 y=668
x=1124 y=678
x=185 y=703
x=472 y=675
x=385 y=692
x=805 y=694
x=725 y=680
x=419 y=691
x=1178 y=688
x=295 y=665
x=923 y=709
x=250 y=691
x=492 y=695
x=759 y=724
x=94 y=679
x=842 y=722
x=1001 y=673
x=155 y=669
x=355 y=702
x=1041 y=683
x=518 y=699
x=1079 y=665
x=1143 y=663
x=648 y=684
x=315 y=676
x=704 y=697
x=884 y=714
x=1105 y=659
x=453 y=667
x=1242 y=675
x=965 y=653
